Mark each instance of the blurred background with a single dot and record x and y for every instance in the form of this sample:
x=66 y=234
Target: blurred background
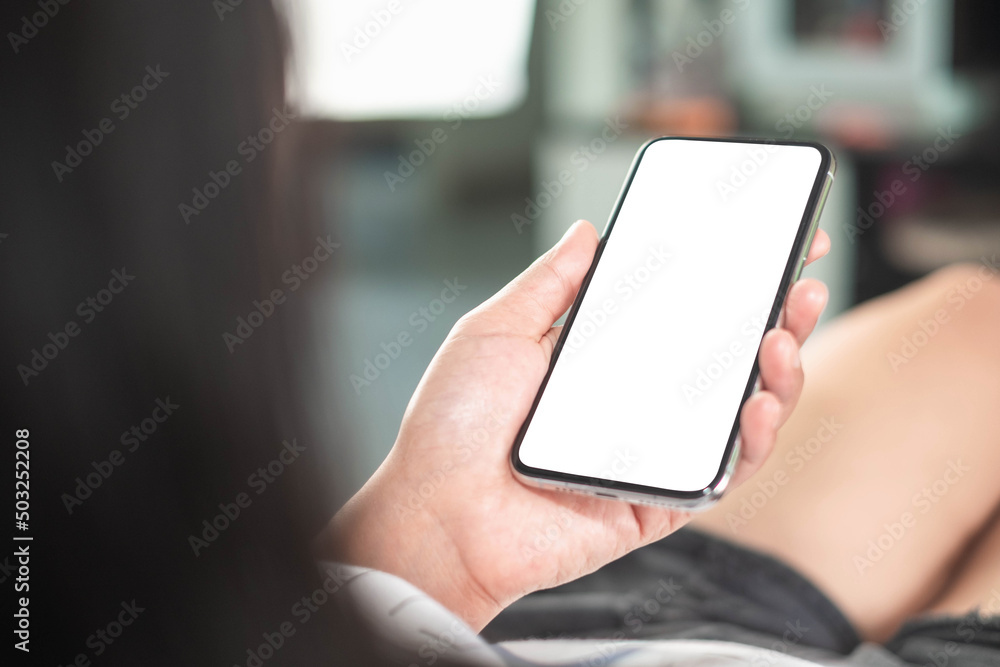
x=451 y=142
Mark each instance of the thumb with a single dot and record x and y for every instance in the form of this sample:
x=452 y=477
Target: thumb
x=531 y=303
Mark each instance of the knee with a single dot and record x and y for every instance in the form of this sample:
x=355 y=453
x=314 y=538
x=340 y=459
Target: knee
x=966 y=297
x=974 y=288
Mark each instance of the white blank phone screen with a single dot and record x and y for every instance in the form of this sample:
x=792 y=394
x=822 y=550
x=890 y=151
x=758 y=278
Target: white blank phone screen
x=650 y=379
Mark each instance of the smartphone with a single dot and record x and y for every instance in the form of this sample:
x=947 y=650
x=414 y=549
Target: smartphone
x=642 y=397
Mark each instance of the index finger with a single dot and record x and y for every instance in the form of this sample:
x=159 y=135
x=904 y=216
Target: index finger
x=820 y=246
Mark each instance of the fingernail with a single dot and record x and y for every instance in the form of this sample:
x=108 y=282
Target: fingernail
x=569 y=232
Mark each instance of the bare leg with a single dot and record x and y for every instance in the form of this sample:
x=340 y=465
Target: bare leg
x=888 y=467
x=976 y=584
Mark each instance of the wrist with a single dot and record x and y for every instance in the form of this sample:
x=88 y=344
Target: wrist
x=381 y=531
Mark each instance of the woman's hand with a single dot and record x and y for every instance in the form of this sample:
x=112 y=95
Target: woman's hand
x=444 y=510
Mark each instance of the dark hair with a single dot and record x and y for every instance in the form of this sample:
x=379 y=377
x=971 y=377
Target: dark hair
x=145 y=424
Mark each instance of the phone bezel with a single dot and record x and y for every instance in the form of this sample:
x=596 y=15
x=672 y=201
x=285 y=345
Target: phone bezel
x=638 y=493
